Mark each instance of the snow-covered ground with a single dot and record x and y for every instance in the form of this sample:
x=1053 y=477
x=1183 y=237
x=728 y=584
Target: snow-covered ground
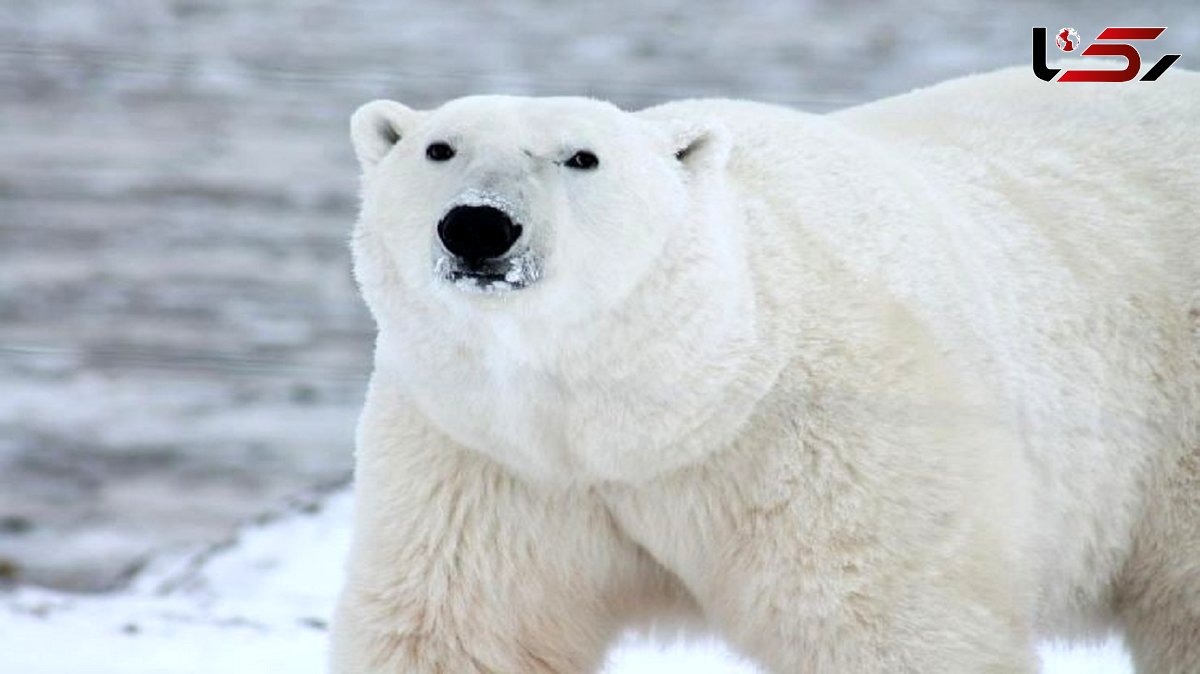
x=261 y=603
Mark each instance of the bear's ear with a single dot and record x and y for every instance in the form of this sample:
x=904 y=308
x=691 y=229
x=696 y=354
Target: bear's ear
x=376 y=127
x=701 y=144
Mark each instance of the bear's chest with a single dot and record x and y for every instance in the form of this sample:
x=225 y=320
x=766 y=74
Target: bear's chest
x=580 y=426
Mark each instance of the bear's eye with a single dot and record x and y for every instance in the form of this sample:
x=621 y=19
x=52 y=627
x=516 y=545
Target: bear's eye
x=582 y=160
x=439 y=151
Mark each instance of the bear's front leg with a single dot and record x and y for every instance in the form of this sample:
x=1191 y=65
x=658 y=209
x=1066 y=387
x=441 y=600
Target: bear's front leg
x=460 y=568
x=839 y=603
x=820 y=559
x=875 y=564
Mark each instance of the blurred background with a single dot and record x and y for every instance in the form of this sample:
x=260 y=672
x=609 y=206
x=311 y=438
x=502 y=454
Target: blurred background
x=181 y=344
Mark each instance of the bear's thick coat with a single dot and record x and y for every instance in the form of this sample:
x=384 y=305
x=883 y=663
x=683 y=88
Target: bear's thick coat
x=901 y=388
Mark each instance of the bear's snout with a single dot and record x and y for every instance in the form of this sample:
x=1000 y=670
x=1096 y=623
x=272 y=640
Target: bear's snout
x=478 y=233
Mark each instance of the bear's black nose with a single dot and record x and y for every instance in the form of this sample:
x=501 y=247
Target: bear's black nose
x=477 y=233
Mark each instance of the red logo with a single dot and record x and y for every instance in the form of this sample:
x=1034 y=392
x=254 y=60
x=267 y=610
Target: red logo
x=1106 y=45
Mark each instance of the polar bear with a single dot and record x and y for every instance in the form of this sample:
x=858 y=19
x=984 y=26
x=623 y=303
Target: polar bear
x=902 y=388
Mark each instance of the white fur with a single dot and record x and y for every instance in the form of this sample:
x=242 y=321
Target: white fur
x=898 y=389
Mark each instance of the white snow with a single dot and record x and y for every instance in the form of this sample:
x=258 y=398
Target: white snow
x=262 y=604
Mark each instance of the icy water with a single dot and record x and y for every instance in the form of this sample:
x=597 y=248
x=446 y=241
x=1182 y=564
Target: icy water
x=181 y=345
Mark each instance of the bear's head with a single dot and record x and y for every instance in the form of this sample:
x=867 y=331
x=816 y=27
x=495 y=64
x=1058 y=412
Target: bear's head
x=557 y=282
x=557 y=205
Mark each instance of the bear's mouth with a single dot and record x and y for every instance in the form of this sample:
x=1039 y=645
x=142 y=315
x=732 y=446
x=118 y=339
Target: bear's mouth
x=489 y=276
